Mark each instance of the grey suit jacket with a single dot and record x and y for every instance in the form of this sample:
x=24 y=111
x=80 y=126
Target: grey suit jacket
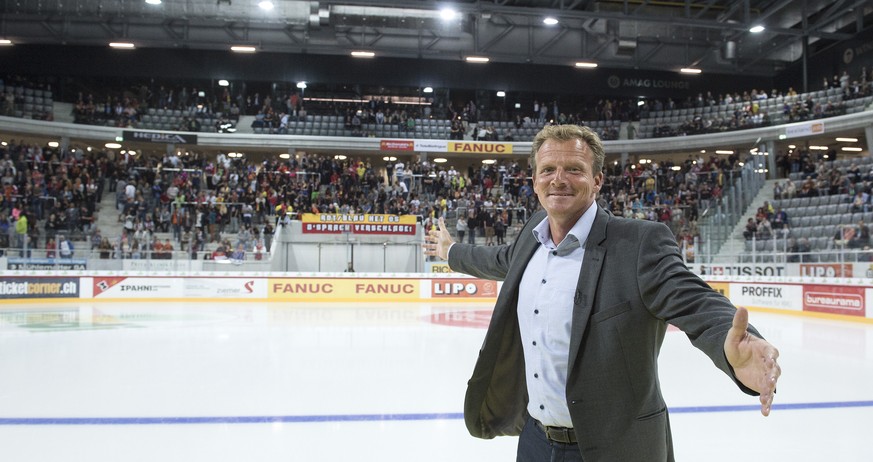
x=632 y=283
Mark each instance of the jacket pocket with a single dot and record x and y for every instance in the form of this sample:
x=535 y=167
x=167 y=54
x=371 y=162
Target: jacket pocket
x=652 y=415
x=614 y=310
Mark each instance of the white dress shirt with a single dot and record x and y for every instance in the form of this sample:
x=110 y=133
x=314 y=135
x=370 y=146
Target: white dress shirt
x=545 y=314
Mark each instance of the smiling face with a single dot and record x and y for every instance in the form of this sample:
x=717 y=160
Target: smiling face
x=564 y=181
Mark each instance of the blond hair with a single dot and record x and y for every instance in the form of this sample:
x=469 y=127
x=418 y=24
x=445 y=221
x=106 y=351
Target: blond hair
x=567 y=133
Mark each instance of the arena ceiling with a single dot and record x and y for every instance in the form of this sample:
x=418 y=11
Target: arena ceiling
x=659 y=35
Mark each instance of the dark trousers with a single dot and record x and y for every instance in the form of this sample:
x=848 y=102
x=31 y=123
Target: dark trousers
x=533 y=446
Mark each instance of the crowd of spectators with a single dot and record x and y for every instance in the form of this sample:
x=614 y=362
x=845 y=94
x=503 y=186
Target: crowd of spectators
x=51 y=193
x=219 y=206
x=231 y=205
x=749 y=114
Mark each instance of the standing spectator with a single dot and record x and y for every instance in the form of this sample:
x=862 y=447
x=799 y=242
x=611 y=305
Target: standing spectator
x=21 y=229
x=461 y=227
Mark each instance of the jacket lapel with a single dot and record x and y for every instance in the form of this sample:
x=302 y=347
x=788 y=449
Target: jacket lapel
x=583 y=302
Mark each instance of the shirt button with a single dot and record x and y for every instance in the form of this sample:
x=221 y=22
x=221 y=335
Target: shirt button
x=544 y=281
x=542 y=407
x=536 y=376
x=535 y=343
x=536 y=311
x=554 y=252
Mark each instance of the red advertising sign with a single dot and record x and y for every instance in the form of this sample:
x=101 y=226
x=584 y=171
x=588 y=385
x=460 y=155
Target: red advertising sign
x=358 y=228
x=463 y=288
x=834 y=299
x=397 y=145
x=826 y=270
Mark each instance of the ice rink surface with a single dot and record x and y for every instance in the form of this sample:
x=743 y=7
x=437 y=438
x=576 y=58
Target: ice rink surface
x=172 y=382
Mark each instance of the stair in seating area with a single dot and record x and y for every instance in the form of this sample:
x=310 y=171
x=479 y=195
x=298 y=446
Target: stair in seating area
x=735 y=244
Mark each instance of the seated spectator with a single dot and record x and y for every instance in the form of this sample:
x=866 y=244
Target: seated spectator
x=780 y=220
x=862 y=236
x=507 y=135
x=765 y=229
x=105 y=249
x=751 y=229
x=65 y=247
x=51 y=248
x=239 y=254
x=860 y=202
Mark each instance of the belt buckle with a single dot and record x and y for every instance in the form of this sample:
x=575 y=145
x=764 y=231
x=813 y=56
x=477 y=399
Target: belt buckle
x=559 y=435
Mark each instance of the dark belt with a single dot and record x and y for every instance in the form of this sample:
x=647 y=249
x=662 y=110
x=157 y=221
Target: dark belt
x=557 y=434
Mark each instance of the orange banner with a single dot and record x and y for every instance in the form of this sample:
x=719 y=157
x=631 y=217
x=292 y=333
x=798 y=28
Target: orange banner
x=485 y=148
x=344 y=288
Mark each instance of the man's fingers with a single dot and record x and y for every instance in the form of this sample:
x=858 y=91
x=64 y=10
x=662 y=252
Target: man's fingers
x=766 y=403
x=741 y=319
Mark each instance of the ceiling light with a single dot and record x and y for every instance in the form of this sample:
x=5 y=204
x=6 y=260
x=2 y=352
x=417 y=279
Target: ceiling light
x=112 y=145
x=266 y=5
x=489 y=161
x=285 y=155
x=389 y=158
x=756 y=29
x=153 y=2
x=223 y=83
x=5 y=42
x=818 y=148
x=586 y=65
x=675 y=168
x=724 y=151
x=340 y=157
x=847 y=140
x=122 y=45
x=243 y=49
x=53 y=144
x=428 y=89
x=501 y=94
x=848 y=149
x=477 y=59
x=690 y=70
x=448 y=14
x=550 y=21
x=363 y=54
x=440 y=160
x=301 y=85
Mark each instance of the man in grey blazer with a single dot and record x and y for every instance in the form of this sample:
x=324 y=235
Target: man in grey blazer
x=570 y=359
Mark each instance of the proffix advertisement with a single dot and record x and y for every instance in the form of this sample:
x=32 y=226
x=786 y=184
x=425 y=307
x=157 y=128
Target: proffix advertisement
x=779 y=296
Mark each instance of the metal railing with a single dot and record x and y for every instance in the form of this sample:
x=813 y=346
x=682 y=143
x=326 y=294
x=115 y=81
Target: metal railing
x=720 y=216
